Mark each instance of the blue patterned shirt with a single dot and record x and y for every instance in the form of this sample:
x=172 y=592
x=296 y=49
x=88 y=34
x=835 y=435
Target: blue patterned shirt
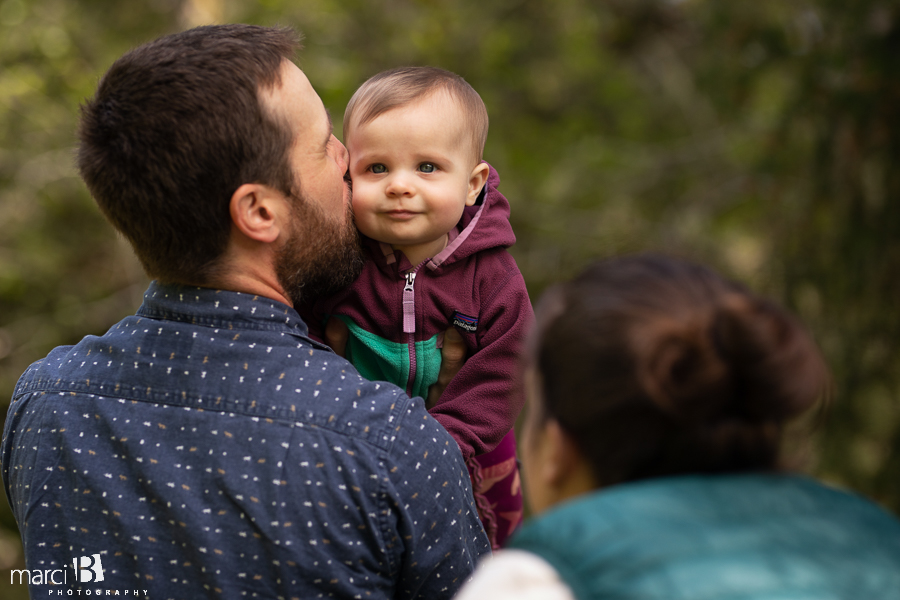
x=206 y=447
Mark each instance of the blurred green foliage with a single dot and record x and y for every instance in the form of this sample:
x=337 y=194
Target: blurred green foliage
x=757 y=137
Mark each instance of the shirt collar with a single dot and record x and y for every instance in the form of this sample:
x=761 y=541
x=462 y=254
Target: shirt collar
x=219 y=308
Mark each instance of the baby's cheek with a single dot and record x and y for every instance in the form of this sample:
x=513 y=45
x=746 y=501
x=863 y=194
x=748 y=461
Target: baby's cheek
x=363 y=216
x=357 y=199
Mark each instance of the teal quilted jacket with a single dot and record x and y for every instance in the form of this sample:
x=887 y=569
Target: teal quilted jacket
x=746 y=537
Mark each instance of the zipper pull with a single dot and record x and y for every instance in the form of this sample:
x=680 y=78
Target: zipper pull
x=409 y=304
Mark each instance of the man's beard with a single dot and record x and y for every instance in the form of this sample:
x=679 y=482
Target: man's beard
x=321 y=255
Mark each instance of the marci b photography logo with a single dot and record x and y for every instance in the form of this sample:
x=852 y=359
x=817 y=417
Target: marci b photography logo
x=88 y=569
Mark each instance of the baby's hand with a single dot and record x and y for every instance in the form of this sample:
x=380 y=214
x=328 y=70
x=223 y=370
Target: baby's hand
x=453 y=356
x=336 y=334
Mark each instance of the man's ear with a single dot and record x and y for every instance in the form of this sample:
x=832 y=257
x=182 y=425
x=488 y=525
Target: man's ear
x=476 y=181
x=259 y=211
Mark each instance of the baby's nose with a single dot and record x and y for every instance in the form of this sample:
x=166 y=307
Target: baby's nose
x=399 y=184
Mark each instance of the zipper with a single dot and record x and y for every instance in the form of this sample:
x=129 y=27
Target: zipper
x=409 y=327
x=409 y=304
x=409 y=323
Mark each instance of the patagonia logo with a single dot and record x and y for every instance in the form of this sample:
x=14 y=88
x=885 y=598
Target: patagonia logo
x=465 y=322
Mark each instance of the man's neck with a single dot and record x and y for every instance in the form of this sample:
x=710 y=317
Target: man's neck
x=252 y=285
x=249 y=276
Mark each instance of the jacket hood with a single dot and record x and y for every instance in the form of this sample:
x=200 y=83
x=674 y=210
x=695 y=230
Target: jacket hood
x=483 y=226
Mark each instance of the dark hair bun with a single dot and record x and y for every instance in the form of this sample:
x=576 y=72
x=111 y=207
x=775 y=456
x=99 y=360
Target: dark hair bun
x=778 y=370
x=745 y=360
x=657 y=366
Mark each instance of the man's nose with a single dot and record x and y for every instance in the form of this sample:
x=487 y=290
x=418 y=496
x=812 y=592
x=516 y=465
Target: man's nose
x=343 y=156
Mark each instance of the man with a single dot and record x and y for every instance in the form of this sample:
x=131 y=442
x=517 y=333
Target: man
x=206 y=447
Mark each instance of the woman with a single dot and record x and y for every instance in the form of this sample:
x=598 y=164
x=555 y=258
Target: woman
x=658 y=395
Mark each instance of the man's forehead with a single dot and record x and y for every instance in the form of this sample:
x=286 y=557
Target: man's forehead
x=291 y=84
x=294 y=102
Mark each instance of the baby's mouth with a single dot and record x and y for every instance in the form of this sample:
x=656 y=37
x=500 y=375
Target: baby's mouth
x=400 y=214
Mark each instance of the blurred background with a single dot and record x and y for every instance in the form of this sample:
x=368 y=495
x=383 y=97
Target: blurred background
x=757 y=137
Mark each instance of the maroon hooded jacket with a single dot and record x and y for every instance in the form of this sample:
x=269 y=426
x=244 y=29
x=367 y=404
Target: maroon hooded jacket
x=396 y=321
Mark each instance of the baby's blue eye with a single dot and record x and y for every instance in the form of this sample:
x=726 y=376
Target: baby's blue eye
x=427 y=167
x=379 y=168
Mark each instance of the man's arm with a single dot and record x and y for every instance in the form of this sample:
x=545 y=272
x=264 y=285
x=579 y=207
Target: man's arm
x=437 y=522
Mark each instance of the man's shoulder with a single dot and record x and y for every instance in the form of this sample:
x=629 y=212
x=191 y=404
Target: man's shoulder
x=41 y=373
x=253 y=374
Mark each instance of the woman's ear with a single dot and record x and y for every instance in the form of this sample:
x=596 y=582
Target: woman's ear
x=555 y=470
x=258 y=211
x=477 y=179
x=562 y=459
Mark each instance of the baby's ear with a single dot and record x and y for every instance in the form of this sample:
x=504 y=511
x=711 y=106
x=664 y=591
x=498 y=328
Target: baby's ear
x=476 y=181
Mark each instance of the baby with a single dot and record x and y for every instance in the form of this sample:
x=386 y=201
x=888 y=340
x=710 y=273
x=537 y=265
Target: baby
x=436 y=232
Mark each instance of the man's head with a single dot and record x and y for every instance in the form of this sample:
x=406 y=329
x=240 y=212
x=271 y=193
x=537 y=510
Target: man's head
x=178 y=125
x=416 y=137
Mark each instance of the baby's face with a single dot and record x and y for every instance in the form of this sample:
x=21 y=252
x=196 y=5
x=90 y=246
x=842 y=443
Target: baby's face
x=413 y=171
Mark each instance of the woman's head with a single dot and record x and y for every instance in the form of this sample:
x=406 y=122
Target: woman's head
x=650 y=366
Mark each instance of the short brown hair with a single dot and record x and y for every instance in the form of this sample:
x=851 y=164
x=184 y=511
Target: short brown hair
x=657 y=366
x=399 y=87
x=174 y=128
